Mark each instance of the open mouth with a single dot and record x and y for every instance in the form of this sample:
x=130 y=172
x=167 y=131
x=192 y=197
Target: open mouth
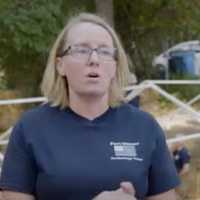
x=93 y=75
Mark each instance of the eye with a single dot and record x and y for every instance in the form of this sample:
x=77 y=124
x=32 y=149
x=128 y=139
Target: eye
x=105 y=51
x=82 y=50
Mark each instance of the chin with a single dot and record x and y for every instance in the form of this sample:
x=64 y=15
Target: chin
x=94 y=93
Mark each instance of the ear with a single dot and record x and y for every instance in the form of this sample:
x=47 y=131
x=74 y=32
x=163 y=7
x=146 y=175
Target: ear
x=60 y=66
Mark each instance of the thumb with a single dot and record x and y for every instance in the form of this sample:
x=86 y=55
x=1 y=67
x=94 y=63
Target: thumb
x=127 y=187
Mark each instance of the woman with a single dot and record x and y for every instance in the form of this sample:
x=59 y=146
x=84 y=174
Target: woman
x=85 y=143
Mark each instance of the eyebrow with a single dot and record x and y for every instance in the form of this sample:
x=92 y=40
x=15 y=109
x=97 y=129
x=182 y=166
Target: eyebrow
x=105 y=45
x=81 y=44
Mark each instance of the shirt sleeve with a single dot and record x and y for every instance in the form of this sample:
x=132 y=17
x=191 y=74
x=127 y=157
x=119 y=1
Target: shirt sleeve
x=162 y=173
x=19 y=169
x=185 y=156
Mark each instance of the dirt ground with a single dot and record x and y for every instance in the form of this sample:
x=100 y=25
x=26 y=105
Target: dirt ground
x=175 y=122
x=185 y=124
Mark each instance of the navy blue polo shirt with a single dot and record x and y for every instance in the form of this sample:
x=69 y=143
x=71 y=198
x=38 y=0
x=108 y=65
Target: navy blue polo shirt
x=58 y=154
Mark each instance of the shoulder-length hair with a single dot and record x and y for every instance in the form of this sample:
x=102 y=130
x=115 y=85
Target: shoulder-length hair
x=55 y=87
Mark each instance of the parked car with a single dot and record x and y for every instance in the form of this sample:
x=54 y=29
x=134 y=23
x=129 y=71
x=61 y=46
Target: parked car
x=182 y=59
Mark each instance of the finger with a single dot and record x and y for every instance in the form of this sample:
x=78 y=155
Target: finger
x=127 y=187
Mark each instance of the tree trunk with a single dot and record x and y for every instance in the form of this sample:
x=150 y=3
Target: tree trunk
x=104 y=8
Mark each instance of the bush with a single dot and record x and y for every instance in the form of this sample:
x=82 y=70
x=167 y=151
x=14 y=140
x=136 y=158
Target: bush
x=185 y=92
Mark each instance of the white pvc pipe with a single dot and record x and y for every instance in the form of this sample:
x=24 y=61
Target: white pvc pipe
x=189 y=103
x=195 y=99
x=5 y=134
x=136 y=92
x=22 y=100
x=175 y=82
x=176 y=101
x=183 y=138
x=3 y=142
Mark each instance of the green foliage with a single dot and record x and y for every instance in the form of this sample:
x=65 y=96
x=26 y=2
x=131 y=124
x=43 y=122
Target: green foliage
x=147 y=28
x=184 y=92
x=73 y=7
x=2 y=83
x=28 y=29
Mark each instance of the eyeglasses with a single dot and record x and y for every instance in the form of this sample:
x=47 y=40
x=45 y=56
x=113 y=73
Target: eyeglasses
x=84 y=52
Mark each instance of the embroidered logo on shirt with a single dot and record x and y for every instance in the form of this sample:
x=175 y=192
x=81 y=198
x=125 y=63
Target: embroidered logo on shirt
x=125 y=151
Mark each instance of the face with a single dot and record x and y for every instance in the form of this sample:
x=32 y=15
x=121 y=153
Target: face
x=93 y=76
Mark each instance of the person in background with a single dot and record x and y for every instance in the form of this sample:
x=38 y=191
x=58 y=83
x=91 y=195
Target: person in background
x=181 y=157
x=85 y=143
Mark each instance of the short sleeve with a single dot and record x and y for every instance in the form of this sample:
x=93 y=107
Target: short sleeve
x=185 y=156
x=19 y=169
x=162 y=173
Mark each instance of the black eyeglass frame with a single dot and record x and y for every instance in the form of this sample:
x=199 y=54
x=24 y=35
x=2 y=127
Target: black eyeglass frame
x=65 y=52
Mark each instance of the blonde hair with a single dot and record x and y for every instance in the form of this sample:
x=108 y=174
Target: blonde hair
x=55 y=87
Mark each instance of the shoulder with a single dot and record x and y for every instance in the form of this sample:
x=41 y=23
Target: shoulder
x=139 y=121
x=127 y=111
x=38 y=115
x=184 y=152
x=41 y=110
x=34 y=122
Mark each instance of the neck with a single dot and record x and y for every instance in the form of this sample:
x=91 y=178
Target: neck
x=87 y=106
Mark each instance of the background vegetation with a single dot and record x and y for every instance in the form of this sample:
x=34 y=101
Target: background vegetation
x=28 y=29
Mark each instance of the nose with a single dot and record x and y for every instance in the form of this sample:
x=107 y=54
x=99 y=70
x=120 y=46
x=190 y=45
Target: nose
x=93 y=59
